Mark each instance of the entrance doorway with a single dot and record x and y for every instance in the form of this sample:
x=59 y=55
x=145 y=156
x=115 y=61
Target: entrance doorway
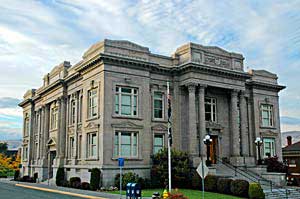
x=51 y=159
x=213 y=149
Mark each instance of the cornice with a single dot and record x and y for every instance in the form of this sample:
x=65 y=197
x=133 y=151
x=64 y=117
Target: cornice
x=266 y=86
x=24 y=102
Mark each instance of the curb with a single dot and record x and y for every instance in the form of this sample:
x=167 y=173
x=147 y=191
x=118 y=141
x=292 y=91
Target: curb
x=60 y=192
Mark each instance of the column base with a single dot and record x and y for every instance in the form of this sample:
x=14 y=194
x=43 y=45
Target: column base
x=242 y=161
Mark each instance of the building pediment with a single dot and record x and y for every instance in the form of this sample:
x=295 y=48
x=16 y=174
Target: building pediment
x=51 y=142
x=91 y=125
x=269 y=133
x=127 y=124
x=159 y=127
x=213 y=125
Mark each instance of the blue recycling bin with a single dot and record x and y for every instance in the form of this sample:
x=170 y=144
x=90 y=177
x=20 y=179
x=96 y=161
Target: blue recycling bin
x=136 y=191
x=128 y=190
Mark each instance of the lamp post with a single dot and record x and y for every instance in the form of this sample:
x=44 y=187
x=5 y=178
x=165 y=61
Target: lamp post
x=258 y=142
x=207 y=141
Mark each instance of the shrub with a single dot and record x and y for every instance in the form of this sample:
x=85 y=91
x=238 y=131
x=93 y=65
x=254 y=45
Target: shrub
x=126 y=178
x=75 y=182
x=27 y=179
x=35 y=177
x=196 y=181
x=85 y=185
x=176 y=195
x=60 y=176
x=210 y=183
x=180 y=169
x=255 y=191
x=17 y=175
x=239 y=188
x=223 y=185
x=95 y=179
x=273 y=165
x=66 y=183
x=144 y=182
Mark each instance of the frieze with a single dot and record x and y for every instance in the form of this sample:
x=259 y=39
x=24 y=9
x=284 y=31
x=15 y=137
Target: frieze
x=127 y=125
x=159 y=127
x=216 y=61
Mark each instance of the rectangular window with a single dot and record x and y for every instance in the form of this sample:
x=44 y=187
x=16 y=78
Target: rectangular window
x=36 y=150
x=158 y=105
x=210 y=109
x=71 y=147
x=158 y=143
x=80 y=110
x=92 y=145
x=92 y=103
x=54 y=118
x=26 y=125
x=125 y=144
x=266 y=115
x=269 y=147
x=79 y=146
x=25 y=153
x=126 y=101
x=73 y=111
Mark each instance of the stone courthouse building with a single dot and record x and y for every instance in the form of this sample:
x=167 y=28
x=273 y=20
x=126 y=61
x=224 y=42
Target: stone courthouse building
x=113 y=104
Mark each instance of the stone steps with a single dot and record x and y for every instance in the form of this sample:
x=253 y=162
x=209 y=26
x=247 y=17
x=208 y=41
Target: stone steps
x=282 y=194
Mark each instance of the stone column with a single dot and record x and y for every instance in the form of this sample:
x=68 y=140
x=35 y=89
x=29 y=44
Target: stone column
x=193 y=145
x=46 y=130
x=202 y=125
x=62 y=128
x=75 y=155
x=235 y=135
x=243 y=121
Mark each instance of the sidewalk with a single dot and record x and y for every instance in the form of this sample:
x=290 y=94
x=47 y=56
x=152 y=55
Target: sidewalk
x=88 y=194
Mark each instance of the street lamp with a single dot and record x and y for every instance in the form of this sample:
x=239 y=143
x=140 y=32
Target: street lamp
x=207 y=140
x=258 y=142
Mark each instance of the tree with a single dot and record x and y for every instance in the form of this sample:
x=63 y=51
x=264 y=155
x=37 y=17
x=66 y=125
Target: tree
x=3 y=147
x=95 y=179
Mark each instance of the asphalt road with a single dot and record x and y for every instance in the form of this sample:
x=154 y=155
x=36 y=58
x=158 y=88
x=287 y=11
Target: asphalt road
x=10 y=191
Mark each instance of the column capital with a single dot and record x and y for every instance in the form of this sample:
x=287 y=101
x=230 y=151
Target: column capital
x=234 y=92
x=191 y=87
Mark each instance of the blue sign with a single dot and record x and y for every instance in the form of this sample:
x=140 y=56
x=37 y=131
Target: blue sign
x=121 y=162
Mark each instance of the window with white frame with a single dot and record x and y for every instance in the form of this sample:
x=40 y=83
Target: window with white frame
x=79 y=146
x=54 y=118
x=92 y=145
x=266 y=115
x=73 y=111
x=158 y=143
x=92 y=103
x=71 y=147
x=25 y=153
x=126 y=144
x=80 y=110
x=210 y=109
x=26 y=125
x=158 y=105
x=126 y=101
x=269 y=147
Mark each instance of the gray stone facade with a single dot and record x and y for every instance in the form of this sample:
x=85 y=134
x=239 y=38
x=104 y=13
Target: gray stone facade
x=113 y=103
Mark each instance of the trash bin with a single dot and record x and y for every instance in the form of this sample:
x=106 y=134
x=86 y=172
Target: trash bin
x=128 y=190
x=136 y=191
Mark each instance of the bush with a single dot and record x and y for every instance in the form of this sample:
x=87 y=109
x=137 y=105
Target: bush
x=75 y=182
x=144 y=182
x=35 y=177
x=255 y=191
x=273 y=165
x=176 y=195
x=66 y=183
x=126 y=178
x=95 y=179
x=60 y=176
x=27 y=179
x=223 y=185
x=239 y=188
x=196 y=181
x=210 y=183
x=180 y=169
x=85 y=185
x=17 y=175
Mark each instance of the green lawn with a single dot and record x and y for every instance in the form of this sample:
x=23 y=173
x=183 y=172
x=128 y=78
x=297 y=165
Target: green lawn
x=191 y=194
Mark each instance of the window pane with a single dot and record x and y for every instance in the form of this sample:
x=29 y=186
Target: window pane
x=126 y=138
x=94 y=150
x=158 y=95
x=126 y=110
x=125 y=150
x=158 y=140
x=126 y=100
x=94 y=140
x=158 y=104
x=126 y=90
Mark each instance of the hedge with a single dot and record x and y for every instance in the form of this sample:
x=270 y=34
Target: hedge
x=60 y=176
x=223 y=185
x=210 y=183
x=75 y=182
x=255 y=191
x=95 y=179
x=239 y=188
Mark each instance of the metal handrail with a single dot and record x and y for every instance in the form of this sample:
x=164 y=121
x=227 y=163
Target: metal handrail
x=257 y=177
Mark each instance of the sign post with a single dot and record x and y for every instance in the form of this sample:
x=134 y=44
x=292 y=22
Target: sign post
x=202 y=170
x=121 y=165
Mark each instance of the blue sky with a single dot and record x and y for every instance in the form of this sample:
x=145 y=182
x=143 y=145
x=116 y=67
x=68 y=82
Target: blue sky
x=37 y=35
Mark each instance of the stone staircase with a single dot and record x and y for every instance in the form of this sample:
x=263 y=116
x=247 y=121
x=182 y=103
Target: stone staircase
x=288 y=193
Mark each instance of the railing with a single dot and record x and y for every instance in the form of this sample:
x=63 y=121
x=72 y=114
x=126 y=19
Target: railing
x=254 y=177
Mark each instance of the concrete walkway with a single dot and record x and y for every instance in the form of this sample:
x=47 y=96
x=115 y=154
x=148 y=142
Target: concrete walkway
x=65 y=190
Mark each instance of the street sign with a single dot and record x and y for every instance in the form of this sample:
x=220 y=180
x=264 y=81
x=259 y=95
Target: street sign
x=121 y=162
x=202 y=169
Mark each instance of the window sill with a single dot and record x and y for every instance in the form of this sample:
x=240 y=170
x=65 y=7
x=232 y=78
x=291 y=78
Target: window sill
x=129 y=158
x=53 y=130
x=92 y=159
x=126 y=117
x=92 y=118
x=159 y=120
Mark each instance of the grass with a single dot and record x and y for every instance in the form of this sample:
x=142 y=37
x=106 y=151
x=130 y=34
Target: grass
x=191 y=194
